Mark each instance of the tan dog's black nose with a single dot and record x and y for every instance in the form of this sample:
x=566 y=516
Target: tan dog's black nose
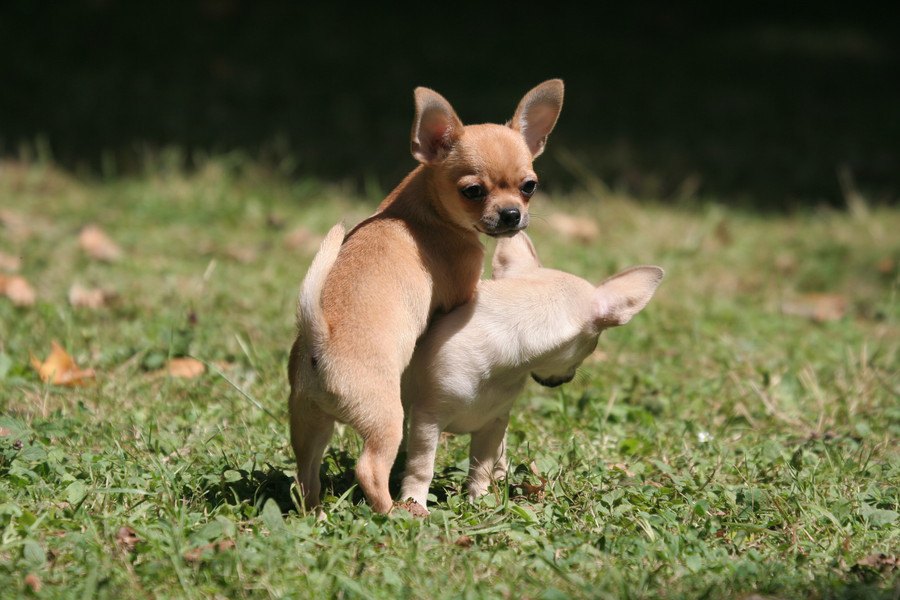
x=509 y=217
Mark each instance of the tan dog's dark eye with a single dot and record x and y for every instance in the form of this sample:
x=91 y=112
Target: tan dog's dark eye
x=528 y=188
x=473 y=192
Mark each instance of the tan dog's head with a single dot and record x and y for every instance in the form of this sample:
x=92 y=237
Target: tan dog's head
x=481 y=175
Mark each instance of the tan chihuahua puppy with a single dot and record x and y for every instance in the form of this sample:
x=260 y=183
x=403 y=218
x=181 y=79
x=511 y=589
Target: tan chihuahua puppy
x=472 y=363
x=364 y=303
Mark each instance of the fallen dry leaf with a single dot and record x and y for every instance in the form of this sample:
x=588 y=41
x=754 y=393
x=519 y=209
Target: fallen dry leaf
x=621 y=467
x=185 y=368
x=817 y=307
x=886 y=266
x=879 y=562
x=242 y=254
x=581 y=229
x=17 y=289
x=98 y=245
x=15 y=224
x=464 y=541
x=196 y=554
x=60 y=368
x=127 y=538
x=535 y=491
x=94 y=298
x=302 y=239
x=786 y=262
x=10 y=263
x=33 y=582
x=413 y=508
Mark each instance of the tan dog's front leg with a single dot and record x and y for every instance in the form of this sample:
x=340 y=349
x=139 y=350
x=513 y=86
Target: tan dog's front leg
x=487 y=456
x=421 y=448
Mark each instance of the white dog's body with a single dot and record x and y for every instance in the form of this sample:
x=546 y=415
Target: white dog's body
x=472 y=363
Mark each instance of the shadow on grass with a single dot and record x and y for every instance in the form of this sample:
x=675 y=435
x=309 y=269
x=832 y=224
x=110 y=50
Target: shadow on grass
x=337 y=475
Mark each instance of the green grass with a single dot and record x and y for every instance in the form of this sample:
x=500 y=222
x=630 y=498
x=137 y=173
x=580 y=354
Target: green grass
x=713 y=448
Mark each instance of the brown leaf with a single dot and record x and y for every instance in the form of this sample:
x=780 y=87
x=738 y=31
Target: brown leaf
x=413 y=508
x=15 y=224
x=17 y=289
x=532 y=490
x=33 y=582
x=879 y=562
x=886 y=266
x=786 y=262
x=817 y=307
x=93 y=298
x=98 y=245
x=535 y=491
x=581 y=229
x=302 y=239
x=464 y=541
x=60 y=368
x=127 y=538
x=622 y=467
x=10 y=263
x=242 y=254
x=185 y=368
x=196 y=554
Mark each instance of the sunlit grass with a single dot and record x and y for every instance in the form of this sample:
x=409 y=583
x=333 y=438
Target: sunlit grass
x=719 y=445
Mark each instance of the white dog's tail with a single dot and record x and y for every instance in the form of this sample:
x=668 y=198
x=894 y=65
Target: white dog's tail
x=310 y=319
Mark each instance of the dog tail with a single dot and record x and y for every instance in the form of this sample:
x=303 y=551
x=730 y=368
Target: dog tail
x=310 y=318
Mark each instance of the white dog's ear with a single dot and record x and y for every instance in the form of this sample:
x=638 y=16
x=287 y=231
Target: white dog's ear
x=513 y=256
x=435 y=128
x=622 y=296
x=537 y=114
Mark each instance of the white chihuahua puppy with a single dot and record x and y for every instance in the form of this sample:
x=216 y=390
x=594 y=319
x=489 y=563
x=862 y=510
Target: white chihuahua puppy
x=473 y=362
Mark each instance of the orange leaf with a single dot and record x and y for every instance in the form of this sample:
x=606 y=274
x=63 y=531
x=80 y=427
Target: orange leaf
x=817 y=307
x=60 y=368
x=186 y=368
x=197 y=554
x=413 y=508
x=302 y=239
x=33 y=582
x=82 y=297
x=98 y=245
x=581 y=229
x=17 y=289
x=127 y=538
x=9 y=262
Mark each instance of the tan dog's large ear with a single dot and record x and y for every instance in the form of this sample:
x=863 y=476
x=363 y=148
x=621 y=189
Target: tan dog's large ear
x=435 y=128
x=514 y=256
x=537 y=114
x=622 y=296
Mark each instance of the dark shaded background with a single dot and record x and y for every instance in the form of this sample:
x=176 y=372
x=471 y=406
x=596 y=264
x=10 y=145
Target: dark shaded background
x=760 y=106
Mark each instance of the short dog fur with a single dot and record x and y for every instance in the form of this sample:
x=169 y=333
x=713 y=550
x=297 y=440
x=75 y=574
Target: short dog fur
x=364 y=303
x=472 y=363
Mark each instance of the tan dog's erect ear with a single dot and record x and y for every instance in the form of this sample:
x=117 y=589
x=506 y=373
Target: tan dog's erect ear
x=622 y=296
x=435 y=128
x=513 y=256
x=537 y=114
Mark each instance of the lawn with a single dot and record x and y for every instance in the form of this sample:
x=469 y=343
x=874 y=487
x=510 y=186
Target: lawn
x=737 y=438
